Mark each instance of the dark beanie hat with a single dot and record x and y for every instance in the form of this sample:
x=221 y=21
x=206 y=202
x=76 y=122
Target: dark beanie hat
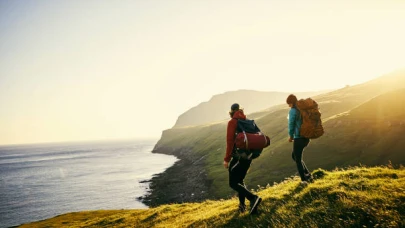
x=235 y=107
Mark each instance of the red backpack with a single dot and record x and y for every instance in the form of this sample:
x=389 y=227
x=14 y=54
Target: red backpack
x=249 y=140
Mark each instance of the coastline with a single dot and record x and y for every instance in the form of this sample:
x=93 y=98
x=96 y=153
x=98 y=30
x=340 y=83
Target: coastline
x=187 y=176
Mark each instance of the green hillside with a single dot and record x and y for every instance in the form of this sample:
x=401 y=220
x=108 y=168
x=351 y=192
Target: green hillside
x=390 y=106
x=356 y=197
x=351 y=138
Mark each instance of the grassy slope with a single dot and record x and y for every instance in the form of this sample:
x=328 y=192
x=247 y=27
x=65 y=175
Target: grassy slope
x=356 y=197
x=348 y=141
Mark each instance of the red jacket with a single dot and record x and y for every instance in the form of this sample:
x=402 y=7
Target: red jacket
x=230 y=133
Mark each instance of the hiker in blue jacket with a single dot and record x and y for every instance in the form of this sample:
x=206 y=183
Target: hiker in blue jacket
x=299 y=142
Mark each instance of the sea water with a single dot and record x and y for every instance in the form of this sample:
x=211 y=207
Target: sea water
x=44 y=180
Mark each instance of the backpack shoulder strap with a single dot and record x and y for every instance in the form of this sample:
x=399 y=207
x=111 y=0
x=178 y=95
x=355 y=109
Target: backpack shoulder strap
x=239 y=126
x=252 y=128
x=258 y=129
x=298 y=116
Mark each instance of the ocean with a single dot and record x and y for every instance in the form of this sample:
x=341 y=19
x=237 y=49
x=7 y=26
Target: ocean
x=44 y=180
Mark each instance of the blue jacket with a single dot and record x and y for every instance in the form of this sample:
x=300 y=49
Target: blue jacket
x=294 y=123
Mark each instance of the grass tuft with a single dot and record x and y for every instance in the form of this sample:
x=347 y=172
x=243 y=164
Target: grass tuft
x=319 y=173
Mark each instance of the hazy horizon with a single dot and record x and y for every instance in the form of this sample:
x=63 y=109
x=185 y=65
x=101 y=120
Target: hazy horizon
x=83 y=141
x=106 y=70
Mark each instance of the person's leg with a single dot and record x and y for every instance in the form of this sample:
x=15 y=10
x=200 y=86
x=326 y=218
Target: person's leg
x=254 y=199
x=241 y=195
x=233 y=182
x=299 y=144
x=306 y=170
x=307 y=173
x=237 y=173
x=245 y=165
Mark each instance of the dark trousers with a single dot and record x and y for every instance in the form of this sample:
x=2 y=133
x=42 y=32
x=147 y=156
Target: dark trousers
x=237 y=173
x=297 y=156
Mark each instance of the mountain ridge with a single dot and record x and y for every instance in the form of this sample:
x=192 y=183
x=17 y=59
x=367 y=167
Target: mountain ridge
x=216 y=109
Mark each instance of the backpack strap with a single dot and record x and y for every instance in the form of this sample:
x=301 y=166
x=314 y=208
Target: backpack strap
x=258 y=129
x=245 y=136
x=239 y=126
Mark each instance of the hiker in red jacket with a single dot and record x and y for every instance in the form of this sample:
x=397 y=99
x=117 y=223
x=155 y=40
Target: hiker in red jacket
x=237 y=166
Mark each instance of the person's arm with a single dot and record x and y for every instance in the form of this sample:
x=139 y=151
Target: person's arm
x=230 y=137
x=292 y=123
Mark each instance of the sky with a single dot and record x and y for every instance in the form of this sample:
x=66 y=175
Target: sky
x=73 y=70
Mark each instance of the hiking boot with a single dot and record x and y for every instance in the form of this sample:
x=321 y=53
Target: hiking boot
x=310 y=180
x=303 y=183
x=254 y=204
x=242 y=208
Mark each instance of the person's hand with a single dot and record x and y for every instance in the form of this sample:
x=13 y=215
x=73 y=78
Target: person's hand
x=226 y=164
x=290 y=139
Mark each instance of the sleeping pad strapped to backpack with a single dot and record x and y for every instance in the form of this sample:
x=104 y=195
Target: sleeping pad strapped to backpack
x=249 y=140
